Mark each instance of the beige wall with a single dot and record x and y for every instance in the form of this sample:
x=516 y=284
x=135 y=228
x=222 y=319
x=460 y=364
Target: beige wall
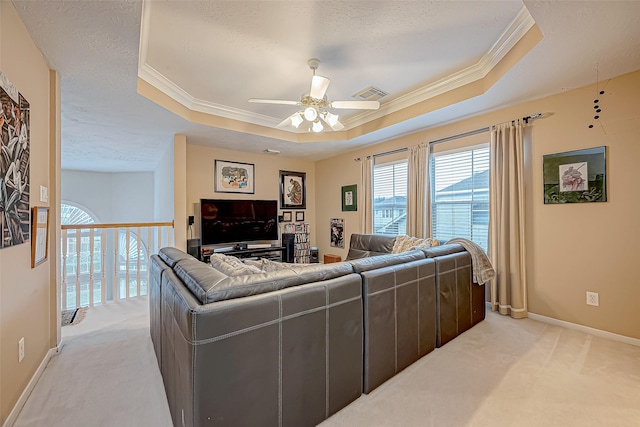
x=571 y=248
x=200 y=167
x=25 y=293
x=578 y=248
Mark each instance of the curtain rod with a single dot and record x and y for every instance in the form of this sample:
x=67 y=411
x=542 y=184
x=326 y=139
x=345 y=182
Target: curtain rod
x=460 y=135
x=477 y=131
x=449 y=138
x=386 y=153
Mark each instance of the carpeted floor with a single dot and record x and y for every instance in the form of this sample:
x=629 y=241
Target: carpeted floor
x=503 y=372
x=105 y=375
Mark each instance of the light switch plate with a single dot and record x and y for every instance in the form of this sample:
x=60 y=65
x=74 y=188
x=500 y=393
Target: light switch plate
x=44 y=194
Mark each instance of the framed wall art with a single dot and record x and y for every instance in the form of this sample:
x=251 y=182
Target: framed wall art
x=234 y=177
x=350 y=198
x=300 y=216
x=40 y=233
x=575 y=176
x=15 y=142
x=286 y=216
x=293 y=190
x=337 y=232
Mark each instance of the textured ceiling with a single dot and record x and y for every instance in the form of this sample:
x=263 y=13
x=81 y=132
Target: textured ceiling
x=221 y=53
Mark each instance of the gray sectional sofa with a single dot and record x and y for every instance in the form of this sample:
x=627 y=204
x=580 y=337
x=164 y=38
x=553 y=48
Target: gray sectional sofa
x=292 y=347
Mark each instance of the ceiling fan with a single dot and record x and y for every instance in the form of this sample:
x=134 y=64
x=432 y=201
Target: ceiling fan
x=315 y=106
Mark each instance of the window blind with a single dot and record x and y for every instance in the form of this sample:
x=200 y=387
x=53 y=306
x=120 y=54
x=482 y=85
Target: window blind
x=390 y=198
x=460 y=194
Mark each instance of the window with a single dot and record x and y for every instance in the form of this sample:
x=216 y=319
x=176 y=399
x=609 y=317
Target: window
x=390 y=198
x=74 y=215
x=460 y=194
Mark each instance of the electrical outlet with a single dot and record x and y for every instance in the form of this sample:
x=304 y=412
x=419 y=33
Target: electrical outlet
x=20 y=349
x=592 y=298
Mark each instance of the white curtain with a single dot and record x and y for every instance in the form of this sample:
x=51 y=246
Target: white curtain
x=506 y=223
x=418 y=217
x=365 y=197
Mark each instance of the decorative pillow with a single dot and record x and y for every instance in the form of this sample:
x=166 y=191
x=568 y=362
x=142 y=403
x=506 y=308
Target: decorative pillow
x=406 y=243
x=232 y=266
x=266 y=265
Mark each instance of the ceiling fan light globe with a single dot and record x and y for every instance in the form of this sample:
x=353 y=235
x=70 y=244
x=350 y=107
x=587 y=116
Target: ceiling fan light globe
x=332 y=119
x=317 y=127
x=296 y=120
x=310 y=114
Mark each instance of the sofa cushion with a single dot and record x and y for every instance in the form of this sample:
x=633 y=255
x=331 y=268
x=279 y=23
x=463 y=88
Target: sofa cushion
x=380 y=261
x=232 y=266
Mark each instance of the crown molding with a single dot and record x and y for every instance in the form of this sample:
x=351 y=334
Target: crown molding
x=512 y=35
x=152 y=76
x=165 y=85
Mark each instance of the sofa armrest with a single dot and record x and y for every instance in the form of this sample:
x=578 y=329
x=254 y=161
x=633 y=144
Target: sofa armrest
x=441 y=250
x=172 y=256
x=210 y=285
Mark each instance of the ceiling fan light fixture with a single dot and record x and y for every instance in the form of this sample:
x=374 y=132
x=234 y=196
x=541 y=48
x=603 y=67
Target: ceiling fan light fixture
x=317 y=126
x=310 y=114
x=296 y=120
x=313 y=115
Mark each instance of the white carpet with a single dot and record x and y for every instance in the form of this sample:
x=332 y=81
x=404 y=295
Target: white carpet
x=506 y=372
x=503 y=372
x=105 y=375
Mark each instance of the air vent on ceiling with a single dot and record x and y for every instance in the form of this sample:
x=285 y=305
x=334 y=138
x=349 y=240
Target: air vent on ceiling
x=371 y=94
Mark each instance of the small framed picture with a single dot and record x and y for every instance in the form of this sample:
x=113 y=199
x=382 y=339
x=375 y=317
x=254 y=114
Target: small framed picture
x=337 y=232
x=350 y=198
x=300 y=216
x=39 y=235
x=286 y=216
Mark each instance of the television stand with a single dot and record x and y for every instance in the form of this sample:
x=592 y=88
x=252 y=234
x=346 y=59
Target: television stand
x=274 y=253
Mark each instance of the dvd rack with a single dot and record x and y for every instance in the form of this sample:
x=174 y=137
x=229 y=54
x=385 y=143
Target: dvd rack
x=295 y=237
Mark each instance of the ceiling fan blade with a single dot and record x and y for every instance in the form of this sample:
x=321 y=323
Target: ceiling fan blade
x=273 y=101
x=356 y=105
x=319 y=86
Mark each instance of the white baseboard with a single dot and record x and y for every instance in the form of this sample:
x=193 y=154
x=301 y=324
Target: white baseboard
x=13 y=415
x=586 y=329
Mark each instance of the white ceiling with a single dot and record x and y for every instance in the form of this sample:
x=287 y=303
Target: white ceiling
x=217 y=54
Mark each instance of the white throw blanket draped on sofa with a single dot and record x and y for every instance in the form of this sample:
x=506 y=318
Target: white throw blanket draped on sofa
x=483 y=271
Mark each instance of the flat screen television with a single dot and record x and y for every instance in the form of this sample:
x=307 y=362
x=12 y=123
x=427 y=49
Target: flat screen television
x=227 y=220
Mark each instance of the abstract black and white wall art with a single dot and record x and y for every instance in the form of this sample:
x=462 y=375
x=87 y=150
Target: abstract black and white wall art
x=14 y=165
